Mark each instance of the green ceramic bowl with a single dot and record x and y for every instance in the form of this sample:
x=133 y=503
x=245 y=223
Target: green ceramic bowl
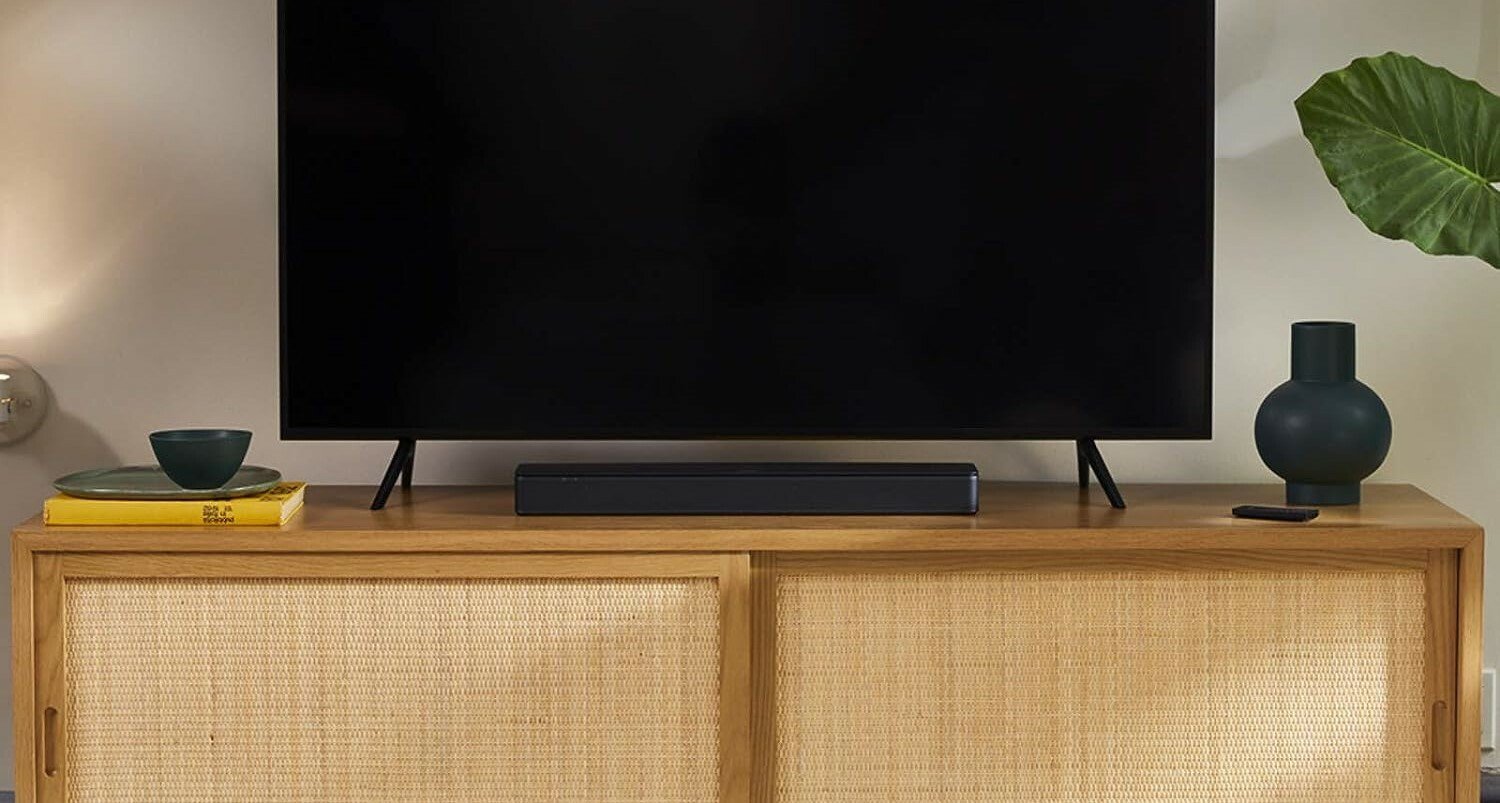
x=200 y=459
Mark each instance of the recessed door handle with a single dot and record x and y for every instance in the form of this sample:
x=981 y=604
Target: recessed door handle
x=1442 y=736
x=49 y=742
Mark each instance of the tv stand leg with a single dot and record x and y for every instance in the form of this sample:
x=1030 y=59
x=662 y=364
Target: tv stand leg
x=401 y=466
x=1089 y=459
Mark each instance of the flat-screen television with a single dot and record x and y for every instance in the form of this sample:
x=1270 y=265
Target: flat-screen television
x=934 y=219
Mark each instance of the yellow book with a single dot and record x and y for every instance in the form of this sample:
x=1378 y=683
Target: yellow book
x=270 y=508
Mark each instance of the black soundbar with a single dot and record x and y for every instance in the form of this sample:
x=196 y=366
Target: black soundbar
x=733 y=489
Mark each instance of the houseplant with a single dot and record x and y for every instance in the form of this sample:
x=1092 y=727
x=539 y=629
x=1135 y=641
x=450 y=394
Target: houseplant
x=1413 y=149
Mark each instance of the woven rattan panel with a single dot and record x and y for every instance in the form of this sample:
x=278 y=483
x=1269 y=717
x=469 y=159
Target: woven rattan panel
x=1249 y=687
x=332 y=690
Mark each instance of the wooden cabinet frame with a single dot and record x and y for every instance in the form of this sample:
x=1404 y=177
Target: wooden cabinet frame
x=457 y=533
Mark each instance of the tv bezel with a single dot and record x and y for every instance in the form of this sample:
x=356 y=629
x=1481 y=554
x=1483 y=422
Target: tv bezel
x=1202 y=430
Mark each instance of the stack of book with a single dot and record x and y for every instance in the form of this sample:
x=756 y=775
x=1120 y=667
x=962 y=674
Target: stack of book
x=274 y=507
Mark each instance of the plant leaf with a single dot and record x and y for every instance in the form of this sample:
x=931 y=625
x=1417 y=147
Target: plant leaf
x=1414 y=150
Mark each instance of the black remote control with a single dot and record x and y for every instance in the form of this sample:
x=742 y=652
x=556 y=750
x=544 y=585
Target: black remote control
x=1275 y=513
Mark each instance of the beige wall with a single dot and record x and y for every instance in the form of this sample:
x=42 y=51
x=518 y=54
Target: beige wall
x=138 y=256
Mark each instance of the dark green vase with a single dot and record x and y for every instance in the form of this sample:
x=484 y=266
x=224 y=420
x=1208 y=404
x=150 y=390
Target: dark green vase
x=1324 y=431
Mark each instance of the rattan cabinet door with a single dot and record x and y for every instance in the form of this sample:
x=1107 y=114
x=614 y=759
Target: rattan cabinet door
x=1192 y=681
x=386 y=688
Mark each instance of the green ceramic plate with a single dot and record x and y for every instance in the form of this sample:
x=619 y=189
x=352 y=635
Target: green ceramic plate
x=148 y=482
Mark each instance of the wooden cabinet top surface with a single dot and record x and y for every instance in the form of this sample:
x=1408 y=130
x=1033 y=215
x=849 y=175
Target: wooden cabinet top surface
x=1013 y=516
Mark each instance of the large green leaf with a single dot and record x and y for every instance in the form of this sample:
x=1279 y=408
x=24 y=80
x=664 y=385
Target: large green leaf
x=1414 y=150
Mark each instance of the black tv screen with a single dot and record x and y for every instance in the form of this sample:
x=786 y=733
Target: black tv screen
x=745 y=218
